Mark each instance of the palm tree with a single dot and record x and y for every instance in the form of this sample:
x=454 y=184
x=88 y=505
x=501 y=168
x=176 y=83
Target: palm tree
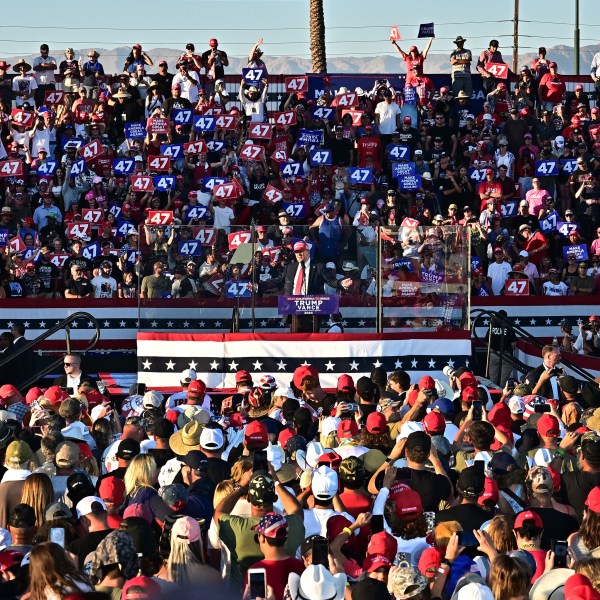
x=317 y=37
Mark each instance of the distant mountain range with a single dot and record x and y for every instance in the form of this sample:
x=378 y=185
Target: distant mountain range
x=113 y=60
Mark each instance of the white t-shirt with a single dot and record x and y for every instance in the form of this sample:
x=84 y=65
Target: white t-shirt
x=223 y=217
x=44 y=77
x=104 y=287
x=315 y=520
x=387 y=116
x=188 y=90
x=498 y=273
x=555 y=289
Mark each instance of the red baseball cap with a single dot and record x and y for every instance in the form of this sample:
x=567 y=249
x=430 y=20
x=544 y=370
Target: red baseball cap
x=33 y=394
x=408 y=503
x=525 y=516
x=198 y=386
x=468 y=394
x=55 y=395
x=376 y=423
x=305 y=370
x=347 y=429
x=412 y=397
x=548 y=426
x=430 y=560
x=9 y=559
x=94 y=398
x=468 y=379
x=148 y=587
x=434 y=423
x=345 y=383
x=376 y=561
x=383 y=543
x=579 y=587
x=426 y=383
x=285 y=435
x=241 y=376
x=256 y=436
x=112 y=490
x=300 y=246
x=8 y=391
x=490 y=492
x=593 y=500
x=330 y=459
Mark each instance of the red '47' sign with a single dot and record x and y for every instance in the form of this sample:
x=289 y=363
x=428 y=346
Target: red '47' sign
x=356 y=116
x=345 y=100
x=10 y=168
x=296 y=84
x=79 y=230
x=22 y=117
x=91 y=150
x=516 y=287
x=159 y=163
x=499 y=70
x=160 y=217
x=142 y=183
x=53 y=97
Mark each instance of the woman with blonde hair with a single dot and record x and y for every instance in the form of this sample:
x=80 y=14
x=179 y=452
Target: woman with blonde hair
x=502 y=534
x=140 y=477
x=509 y=578
x=185 y=565
x=52 y=575
x=38 y=493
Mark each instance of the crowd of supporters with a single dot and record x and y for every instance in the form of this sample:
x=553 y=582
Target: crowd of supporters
x=520 y=173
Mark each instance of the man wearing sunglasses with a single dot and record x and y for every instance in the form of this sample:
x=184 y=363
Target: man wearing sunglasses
x=73 y=375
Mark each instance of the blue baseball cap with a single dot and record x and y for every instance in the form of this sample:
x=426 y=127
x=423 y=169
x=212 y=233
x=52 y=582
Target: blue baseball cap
x=444 y=405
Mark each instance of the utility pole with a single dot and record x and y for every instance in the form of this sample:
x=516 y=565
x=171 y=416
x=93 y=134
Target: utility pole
x=576 y=37
x=516 y=37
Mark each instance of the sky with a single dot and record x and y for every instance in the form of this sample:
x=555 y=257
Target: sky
x=353 y=28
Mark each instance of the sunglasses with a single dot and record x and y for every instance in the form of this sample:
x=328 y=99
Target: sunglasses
x=71 y=364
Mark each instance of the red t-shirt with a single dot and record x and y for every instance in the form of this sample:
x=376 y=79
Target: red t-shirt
x=277 y=573
x=537 y=240
x=552 y=88
x=355 y=502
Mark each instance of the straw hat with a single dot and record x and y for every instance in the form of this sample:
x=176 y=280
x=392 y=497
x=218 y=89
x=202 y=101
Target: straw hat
x=20 y=64
x=186 y=439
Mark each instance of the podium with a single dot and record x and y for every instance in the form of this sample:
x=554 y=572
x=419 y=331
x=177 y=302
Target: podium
x=306 y=310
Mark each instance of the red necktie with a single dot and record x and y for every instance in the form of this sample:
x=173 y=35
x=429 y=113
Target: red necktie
x=299 y=281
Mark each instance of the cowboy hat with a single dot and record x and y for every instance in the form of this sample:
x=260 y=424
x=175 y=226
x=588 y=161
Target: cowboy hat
x=4 y=65
x=99 y=124
x=317 y=582
x=459 y=38
x=186 y=439
x=20 y=64
x=151 y=86
x=462 y=94
x=121 y=94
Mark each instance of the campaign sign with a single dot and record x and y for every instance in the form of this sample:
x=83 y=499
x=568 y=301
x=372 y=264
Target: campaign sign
x=252 y=151
x=517 y=287
x=509 y=209
x=295 y=210
x=159 y=163
x=142 y=183
x=320 y=156
x=280 y=156
x=291 y=169
x=91 y=150
x=227 y=191
x=91 y=251
x=346 y=100
x=131 y=256
x=477 y=174
x=48 y=167
x=123 y=166
x=209 y=183
x=78 y=230
x=195 y=213
x=398 y=152
x=475 y=263
x=59 y=259
x=207 y=236
x=356 y=116
x=310 y=136
x=197 y=147
x=404 y=168
x=159 y=125
x=77 y=167
x=360 y=174
x=72 y=144
x=579 y=250
x=253 y=76
x=239 y=237
x=272 y=195
x=323 y=113
x=568 y=165
x=22 y=117
x=92 y=215
x=296 y=84
x=428 y=276
x=182 y=116
x=548 y=223
x=565 y=229
x=308 y=305
x=135 y=131
x=260 y=131
x=53 y=97
x=10 y=168
x=395 y=34
x=215 y=145
x=227 y=121
x=164 y=182
x=426 y=30
x=403 y=263
x=409 y=182
x=286 y=118
x=172 y=150
x=3 y=237
x=190 y=248
x=546 y=168
x=238 y=289
x=205 y=123
x=499 y=70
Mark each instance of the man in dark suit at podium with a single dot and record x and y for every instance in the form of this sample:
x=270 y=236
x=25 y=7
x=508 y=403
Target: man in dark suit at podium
x=305 y=277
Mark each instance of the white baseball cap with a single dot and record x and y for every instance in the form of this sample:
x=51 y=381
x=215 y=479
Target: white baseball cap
x=329 y=425
x=324 y=483
x=211 y=439
x=516 y=405
x=408 y=428
x=86 y=506
x=559 y=140
x=188 y=375
x=285 y=392
x=152 y=399
x=313 y=451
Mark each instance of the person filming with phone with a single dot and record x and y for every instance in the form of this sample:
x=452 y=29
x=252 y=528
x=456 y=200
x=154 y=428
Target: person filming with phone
x=544 y=379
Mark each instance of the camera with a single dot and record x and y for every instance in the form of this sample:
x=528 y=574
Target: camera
x=448 y=371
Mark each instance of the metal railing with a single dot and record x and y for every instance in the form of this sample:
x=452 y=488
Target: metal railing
x=39 y=373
